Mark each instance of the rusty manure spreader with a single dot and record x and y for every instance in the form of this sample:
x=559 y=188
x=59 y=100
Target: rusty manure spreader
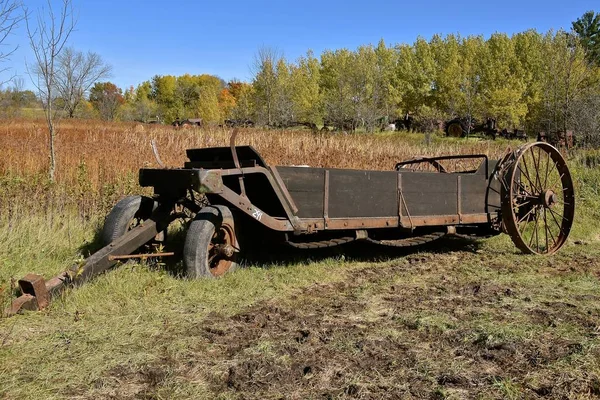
x=232 y=200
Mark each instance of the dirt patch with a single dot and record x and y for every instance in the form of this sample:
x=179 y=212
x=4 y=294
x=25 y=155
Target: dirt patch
x=371 y=337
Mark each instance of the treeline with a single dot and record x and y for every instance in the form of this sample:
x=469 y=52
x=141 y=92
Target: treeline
x=530 y=80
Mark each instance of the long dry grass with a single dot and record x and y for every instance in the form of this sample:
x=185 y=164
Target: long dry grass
x=97 y=162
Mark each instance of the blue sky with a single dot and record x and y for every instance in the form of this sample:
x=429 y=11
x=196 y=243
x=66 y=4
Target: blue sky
x=141 y=39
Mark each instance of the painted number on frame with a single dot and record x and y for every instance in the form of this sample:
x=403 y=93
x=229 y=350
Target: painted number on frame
x=257 y=214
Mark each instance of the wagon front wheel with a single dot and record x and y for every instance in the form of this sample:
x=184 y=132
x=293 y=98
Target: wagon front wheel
x=211 y=246
x=128 y=213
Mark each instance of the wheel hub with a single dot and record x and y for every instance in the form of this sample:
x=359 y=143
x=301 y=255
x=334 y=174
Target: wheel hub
x=549 y=198
x=225 y=250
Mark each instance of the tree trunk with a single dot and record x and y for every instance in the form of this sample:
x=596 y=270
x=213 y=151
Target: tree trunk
x=52 y=136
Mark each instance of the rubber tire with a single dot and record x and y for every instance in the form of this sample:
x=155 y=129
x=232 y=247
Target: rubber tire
x=118 y=220
x=453 y=123
x=199 y=235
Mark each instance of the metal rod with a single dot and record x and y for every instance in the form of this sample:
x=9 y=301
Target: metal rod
x=93 y=265
x=127 y=256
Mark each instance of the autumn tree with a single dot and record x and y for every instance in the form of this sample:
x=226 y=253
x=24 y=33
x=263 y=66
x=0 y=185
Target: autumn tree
x=140 y=106
x=209 y=87
x=226 y=103
x=76 y=72
x=106 y=98
x=244 y=96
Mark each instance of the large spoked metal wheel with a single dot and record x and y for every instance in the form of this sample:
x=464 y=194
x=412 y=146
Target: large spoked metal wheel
x=538 y=200
x=211 y=246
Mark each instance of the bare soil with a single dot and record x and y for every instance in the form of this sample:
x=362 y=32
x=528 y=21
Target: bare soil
x=420 y=326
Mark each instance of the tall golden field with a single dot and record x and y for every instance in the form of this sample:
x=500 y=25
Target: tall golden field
x=97 y=161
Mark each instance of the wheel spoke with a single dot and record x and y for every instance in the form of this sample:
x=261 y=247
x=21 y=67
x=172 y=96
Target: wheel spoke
x=522 y=204
x=527 y=222
x=564 y=203
x=554 y=213
x=534 y=232
x=554 y=240
x=523 y=189
x=526 y=215
x=533 y=188
x=548 y=160
x=559 y=180
x=536 y=166
x=546 y=229
x=523 y=158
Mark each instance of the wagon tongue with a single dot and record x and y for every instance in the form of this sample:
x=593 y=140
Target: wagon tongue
x=36 y=292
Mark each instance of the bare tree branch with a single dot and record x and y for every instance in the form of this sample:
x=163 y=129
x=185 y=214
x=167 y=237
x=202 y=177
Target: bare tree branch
x=10 y=17
x=47 y=38
x=76 y=73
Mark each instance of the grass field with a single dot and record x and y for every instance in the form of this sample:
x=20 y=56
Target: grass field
x=458 y=319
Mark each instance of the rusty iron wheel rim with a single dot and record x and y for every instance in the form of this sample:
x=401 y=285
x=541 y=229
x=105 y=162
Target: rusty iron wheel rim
x=455 y=130
x=539 y=203
x=218 y=262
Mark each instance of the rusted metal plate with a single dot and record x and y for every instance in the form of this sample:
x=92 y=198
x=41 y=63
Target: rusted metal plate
x=430 y=193
x=473 y=189
x=305 y=186
x=355 y=194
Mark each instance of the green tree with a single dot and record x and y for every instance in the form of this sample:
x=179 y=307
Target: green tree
x=416 y=75
x=337 y=86
x=265 y=83
x=570 y=82
x=529 y=49
x=449 y=72
x=164 y=94
x=385 y=80
x=306 y=93
x=470 y=76
x=283 y=105
x=502 y=87
x=588 y=29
